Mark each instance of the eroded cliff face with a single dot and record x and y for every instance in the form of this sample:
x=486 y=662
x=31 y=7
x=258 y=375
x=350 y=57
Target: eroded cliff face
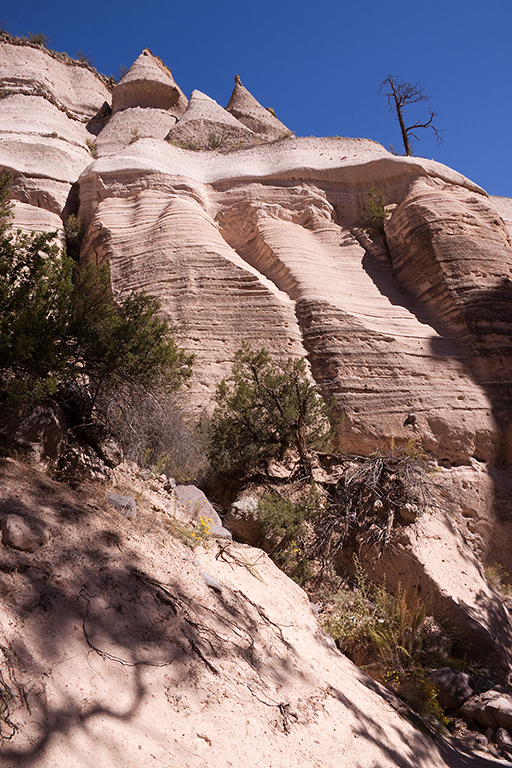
x=255 y=235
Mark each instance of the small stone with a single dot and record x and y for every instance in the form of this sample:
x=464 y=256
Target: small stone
x=409 y=513
x=194 y=504
x=163 y=478
x=16 y=533
x=219 y=532
x=211 y=582
x=124 y=504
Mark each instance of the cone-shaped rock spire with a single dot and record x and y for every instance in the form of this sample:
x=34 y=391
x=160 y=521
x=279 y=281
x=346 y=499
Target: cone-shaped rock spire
x=149 y=83
x=207 y=125
x=245 y=108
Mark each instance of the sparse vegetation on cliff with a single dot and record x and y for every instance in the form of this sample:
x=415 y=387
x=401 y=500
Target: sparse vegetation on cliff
x=61 y=330
x=374 y=211
x=264 y=409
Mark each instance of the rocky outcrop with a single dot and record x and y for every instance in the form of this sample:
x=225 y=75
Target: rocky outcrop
x=206 y=125
x=149 y=83
x=263 y=243
x=47 y=127
x=245 y=108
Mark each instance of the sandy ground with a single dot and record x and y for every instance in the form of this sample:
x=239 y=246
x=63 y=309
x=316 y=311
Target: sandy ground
x=116 y=651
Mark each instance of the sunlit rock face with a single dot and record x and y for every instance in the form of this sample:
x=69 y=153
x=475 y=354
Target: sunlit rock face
x=246 y=233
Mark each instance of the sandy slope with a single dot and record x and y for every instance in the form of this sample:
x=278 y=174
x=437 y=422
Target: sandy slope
x=184 y=676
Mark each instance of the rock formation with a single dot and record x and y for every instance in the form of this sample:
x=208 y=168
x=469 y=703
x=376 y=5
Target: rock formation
x=247 y=233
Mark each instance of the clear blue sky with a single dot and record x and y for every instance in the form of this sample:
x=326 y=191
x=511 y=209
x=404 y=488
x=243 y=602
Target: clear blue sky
x=318 y=64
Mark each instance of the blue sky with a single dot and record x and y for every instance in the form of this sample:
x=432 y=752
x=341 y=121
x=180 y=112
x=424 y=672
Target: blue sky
x=318 y=64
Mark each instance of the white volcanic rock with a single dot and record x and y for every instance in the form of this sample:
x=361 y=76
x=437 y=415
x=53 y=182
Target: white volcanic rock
x=208 y=126
x=149 y=83
x=458 y=244
x=245 y=108
x=131 y=124
x=43 y=132
x=202 y=283
x=264 y=244
x=71 y=87
x=355 y=162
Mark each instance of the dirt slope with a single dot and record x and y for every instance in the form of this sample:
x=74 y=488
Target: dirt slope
x=114 y=647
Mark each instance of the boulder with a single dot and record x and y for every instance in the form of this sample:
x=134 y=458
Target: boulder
x=191 y=504
x=131 y=124
x=80 y=462
x=492 y=709
x=20 y=534
x=42 y=431
x=241 y=520
x=504 y=741
x=219 y=532
x=124 y=504
x=71 y=87
x=454 y=687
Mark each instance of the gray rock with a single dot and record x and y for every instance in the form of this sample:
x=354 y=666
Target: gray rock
x=219 y=532
x=124 y=504
x=19 y=534
x=111 y=452
x=246 y=506
x=211 y=582
x=194 y=504
x=454 y=687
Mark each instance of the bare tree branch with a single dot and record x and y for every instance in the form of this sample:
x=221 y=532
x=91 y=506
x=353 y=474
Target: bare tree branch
x=399 y=94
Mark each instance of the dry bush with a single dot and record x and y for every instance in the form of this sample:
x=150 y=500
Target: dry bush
x=374 y=495
x=156 y=432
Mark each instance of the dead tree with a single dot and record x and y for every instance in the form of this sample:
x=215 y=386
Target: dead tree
x=399 y=94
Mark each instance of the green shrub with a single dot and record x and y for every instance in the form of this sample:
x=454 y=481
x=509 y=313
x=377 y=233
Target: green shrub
x=39 y=39
x=60 y=328
x=216 y=141
x=283 y=526
x=191 y=145
x=266 y=408
x=374 y=211
x=498 y=578
x=91 y=146
x=391 y=628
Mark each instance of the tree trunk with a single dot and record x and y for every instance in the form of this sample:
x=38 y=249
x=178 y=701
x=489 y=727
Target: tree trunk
x=405 y=137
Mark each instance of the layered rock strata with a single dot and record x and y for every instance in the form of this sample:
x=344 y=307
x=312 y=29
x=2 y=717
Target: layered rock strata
x=264 y=244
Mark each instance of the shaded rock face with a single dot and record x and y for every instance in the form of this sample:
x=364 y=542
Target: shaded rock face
x=263 y=244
